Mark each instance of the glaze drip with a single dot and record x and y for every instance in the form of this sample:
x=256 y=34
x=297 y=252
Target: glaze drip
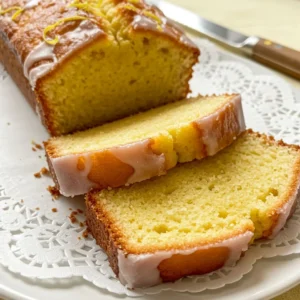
x=137 y=271
x=285 y=212
x=77 y=38
x=212 y=133
x=75 y=181
x=31 y=4
x=144 y=22
x=140 y=156
x=42 y=52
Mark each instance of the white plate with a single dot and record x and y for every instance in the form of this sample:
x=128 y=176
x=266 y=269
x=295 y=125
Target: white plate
x=268 y=278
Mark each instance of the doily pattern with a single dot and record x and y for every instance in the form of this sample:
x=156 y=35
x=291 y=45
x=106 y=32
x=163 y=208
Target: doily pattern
x=38 y=239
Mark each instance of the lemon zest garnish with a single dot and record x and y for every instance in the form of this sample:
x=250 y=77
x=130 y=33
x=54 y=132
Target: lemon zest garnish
x=146 y=13
x=152 y=16
x=88 y=7
x=134 y=1
x=56 y=24
x=17 y=8
x=131 y=7
x=155 y=18
x=17 y=13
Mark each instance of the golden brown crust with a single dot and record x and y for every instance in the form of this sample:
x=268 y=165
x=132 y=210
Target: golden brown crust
x=99 y=226
x=15 y=69
x=50 y=149
x=51 y=169
x=270 y=140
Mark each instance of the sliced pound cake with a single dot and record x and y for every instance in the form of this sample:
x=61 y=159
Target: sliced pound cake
x=200 y=216
x=85 y=63
x=144 y=145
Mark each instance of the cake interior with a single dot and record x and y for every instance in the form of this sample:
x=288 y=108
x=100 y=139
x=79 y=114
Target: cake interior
x=162 y=120
x=204 y=201
x=124 y=73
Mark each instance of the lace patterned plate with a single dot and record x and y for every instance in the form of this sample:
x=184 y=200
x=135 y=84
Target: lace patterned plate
x=37 y=238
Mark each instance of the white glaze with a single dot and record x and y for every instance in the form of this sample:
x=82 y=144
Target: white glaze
x=71 y=181
x=84 y=32
x=39 y=72
x=79 y=37
x=167 y=27
x=43 y=51
x=138 y=155
x=239 y=112
x=209 y=136
x=31 y=4
x=136 y=271
x=285 y=212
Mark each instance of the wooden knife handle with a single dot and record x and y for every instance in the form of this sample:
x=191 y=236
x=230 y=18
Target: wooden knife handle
x=278 y=57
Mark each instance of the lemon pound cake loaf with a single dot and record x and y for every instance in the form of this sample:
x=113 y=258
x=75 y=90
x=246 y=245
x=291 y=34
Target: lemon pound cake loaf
x=144 y=145
x=83 y=63
x=199 y=217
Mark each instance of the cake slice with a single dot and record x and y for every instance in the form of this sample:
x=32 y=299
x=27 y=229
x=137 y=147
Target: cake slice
x=144 y=145
x=201 y=216
x=84 y=63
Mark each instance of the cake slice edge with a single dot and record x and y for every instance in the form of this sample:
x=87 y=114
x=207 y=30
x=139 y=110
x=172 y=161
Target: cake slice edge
x=147 y=269
x=76 y=174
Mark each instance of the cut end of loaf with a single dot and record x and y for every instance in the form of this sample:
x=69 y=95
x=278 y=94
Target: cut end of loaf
x=101 y=66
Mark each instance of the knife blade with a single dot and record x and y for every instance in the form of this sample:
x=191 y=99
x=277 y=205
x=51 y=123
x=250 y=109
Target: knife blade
x=272 y=54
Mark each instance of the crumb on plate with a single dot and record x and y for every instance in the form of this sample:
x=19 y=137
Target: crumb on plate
x=72 y=217
x=85 y=234
x=44 y=171
x=37 y=175
x=53 y=191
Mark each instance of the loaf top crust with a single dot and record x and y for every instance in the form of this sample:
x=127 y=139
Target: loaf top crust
x=27 y=23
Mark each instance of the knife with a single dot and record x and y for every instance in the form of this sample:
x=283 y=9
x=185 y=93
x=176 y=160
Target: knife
x=264 y=51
